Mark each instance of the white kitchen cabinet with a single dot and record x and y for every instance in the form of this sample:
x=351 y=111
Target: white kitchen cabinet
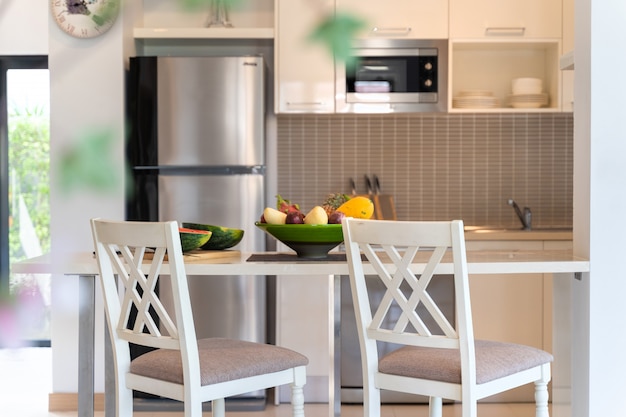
x=495 y=41
x=505 y=18
x=419 y=19
x=305 y=71
x=515 y=308
x=304 y=319
x=166 y=18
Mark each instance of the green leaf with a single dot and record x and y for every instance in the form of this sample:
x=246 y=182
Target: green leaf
x=89 y=164
x=107 y=12
x=206 y=4
x=336 y=32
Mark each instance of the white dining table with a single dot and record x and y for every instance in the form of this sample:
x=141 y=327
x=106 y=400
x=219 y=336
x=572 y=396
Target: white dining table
x=562 y=263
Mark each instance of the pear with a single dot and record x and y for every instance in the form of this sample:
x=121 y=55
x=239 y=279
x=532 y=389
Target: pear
x=273 y=216
x=317 y=215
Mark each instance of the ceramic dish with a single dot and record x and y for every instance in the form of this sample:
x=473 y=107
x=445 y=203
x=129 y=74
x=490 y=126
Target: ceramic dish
x=309 y=241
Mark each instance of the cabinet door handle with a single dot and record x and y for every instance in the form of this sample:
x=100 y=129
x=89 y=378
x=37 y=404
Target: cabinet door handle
x=390 y=31
x=505 y=31
x=305 y=103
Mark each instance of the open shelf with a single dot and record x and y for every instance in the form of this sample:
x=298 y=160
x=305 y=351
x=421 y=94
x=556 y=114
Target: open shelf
x=492 y=65
x=203 y=33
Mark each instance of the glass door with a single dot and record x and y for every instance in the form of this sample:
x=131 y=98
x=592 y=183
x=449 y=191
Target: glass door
x=25 y=194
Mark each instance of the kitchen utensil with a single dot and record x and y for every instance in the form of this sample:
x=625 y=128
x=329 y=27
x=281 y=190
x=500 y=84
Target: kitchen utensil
x=368 y=185
x=384 y=206
x=353 y=189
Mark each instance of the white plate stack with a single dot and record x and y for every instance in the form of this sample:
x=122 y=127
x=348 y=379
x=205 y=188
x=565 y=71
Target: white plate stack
x=475 y=99
x=527 y=93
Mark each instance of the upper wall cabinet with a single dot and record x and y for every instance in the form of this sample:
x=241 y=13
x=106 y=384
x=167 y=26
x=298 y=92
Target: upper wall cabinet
x=167 y=19
x=505 y=18
x=305 y=71
x=425 y=19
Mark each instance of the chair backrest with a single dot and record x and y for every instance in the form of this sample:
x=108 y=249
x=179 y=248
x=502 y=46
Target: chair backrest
x=391 y=247
x=130 y=257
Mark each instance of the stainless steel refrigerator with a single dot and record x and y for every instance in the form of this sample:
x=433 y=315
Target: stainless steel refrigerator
x=196 y=150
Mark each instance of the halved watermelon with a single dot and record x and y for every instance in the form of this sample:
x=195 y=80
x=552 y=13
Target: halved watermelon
x=191 y=239
x=222 y=238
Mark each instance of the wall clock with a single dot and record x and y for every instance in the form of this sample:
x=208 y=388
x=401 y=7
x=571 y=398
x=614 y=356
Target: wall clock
x=84 y=18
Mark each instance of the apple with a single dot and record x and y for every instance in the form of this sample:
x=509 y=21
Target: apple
x=273 y=216
x=317 y=215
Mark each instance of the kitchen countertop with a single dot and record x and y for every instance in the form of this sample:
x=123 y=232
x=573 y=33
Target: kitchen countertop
x=198 y=263
x=477 y=233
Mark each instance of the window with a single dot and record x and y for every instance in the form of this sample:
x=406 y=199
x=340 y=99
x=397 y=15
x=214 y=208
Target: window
x=24 y=185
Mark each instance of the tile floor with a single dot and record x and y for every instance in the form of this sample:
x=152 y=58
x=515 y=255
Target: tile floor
x=25 y=381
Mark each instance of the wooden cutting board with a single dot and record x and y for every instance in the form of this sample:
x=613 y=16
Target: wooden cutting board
x=199 y=255
x=384 y=207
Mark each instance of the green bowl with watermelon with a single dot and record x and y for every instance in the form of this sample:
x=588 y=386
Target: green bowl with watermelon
x=312 y=241
x=221 y=238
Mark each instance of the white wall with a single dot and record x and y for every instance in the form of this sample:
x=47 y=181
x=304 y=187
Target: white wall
x=599 y=206
x=86 y=83
x=24 y=27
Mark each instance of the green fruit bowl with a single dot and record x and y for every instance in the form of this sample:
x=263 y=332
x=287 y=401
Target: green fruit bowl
x=308 y=240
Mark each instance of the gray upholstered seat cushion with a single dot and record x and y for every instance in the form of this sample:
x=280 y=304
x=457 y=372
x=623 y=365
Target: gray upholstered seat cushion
x=493 y=360
x=220 y=360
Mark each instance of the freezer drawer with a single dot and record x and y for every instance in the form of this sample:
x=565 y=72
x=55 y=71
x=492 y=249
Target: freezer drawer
x=225 y=200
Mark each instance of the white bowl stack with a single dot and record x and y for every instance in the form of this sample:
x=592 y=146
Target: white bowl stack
x=527 y=93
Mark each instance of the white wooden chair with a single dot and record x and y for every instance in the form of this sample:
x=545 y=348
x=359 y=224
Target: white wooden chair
x=181 y=368
x=440 y=358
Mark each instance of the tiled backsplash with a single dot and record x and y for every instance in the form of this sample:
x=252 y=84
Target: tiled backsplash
x=436 y=166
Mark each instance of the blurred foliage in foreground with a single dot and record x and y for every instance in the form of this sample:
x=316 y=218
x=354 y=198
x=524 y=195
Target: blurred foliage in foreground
x=22 y=314
x=89 y=163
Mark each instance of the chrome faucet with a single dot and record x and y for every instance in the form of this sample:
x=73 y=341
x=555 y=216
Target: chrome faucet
x=525 y=217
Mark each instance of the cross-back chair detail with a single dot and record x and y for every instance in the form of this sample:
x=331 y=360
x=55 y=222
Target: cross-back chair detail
x=393 y=278
x=439 y=357
x=180 y=367
x=133 y=279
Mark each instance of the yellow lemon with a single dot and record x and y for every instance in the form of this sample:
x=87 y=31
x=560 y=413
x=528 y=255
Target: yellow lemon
x=358 y=207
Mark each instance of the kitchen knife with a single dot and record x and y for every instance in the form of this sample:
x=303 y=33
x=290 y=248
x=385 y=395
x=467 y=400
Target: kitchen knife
x=368 y=185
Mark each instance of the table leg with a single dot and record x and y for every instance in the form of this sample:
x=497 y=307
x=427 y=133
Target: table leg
x=335 y=374
x=562 y=345
x=109 y=375
x=86 y=332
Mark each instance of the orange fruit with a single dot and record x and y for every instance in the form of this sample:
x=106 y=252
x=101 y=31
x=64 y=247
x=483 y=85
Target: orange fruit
x=358 y=207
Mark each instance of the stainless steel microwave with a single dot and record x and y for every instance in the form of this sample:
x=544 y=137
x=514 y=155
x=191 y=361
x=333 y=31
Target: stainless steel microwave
x=394 y=75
